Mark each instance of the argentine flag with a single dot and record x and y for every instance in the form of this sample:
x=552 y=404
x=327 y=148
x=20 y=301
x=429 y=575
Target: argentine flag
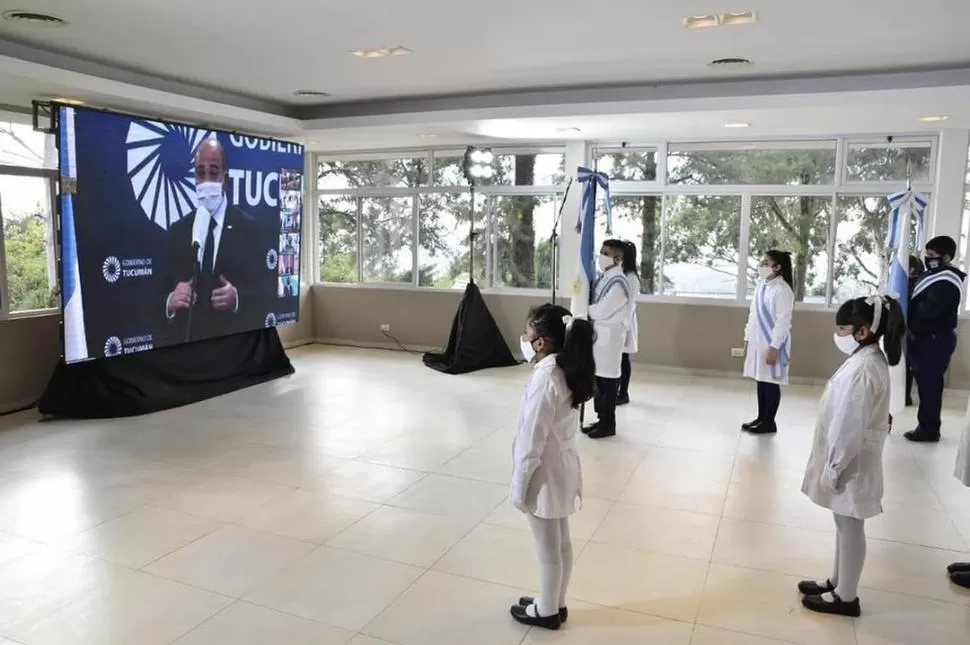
x=75 y=340
x=586 y=262
x=905 y=206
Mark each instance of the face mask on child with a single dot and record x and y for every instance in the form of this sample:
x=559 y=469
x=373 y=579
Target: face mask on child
x=846 y=344
x=606 y=262
x=765 y=273
x=933 y=263
x=528 y=351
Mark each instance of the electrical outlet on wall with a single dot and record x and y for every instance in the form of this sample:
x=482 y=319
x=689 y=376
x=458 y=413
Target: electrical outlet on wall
x=737 y=352
x=386 y=328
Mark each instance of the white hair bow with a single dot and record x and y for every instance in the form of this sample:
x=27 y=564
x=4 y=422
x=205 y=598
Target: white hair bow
x=568 y=321
x=878 y=302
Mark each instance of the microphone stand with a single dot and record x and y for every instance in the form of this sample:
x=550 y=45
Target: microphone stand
x=554 y=240
x=471 y=237
x=195 y=280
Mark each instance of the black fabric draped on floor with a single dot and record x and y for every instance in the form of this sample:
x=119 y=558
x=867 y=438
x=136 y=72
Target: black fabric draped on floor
x=476 y=343
x=165 y=378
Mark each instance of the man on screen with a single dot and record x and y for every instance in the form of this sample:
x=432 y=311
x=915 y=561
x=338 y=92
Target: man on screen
x=213 y=270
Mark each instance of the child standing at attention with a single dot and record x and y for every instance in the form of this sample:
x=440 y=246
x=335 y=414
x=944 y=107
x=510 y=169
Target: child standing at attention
x=767 y=338
x=631 y=344
x=844 y=472
x=546 y=477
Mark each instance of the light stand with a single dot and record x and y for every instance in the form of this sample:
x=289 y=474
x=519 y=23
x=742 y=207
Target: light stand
x=475 y=165
x=554 y=240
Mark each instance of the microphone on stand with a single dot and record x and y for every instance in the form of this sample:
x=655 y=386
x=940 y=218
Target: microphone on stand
x=196 y=246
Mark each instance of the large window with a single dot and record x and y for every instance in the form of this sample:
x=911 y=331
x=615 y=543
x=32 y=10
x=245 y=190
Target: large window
x=521 y=240
x=444 y=240
x=702 y=235
x=637 y=219
x=338 y=219
x=788 y=163
x=884 y=161
x=28 y=271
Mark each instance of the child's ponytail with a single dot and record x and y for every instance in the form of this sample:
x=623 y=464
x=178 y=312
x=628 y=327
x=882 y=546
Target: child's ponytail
x=576 y=361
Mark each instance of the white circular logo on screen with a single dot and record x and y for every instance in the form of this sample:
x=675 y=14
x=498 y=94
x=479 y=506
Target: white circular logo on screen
x=111 y=269
x=161 y=167
x=270 y=320
x=112 y=346
x=272 y=258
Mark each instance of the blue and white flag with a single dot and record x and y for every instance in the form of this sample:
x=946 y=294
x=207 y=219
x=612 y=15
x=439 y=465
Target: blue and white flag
x=586 y=262
x=905 y=206
x=75 y=339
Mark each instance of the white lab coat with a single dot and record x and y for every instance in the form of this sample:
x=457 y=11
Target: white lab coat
x=608 y=311
x=779 y=301
x=851 y=430
x=631 y=343
x=546 y=475
x=962 y=470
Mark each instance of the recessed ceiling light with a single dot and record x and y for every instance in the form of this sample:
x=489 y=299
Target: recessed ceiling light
x=66 y=101
x=310 y=93
x=382 y=52
x=34 y=18
x=572 y=129
x=934 y=119
x=428 y=135
x=737 y=126
x=701 y=22
x=738 y=18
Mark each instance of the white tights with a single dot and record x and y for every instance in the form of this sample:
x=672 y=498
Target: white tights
x=850 y=555
x=555 y=552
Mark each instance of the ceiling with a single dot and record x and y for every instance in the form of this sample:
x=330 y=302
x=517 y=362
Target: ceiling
x=268 y=50
x=505 y=71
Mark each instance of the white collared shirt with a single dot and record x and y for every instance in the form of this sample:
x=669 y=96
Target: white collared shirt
x=200 y=229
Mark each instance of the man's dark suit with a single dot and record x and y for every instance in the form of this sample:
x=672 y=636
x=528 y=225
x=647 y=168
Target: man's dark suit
x=238 y=258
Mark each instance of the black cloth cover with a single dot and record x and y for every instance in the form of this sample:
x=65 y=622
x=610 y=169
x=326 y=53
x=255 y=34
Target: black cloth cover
x=164 y=378
x=475 y=342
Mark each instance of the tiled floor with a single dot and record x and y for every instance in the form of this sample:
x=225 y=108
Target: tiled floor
x=363 y=501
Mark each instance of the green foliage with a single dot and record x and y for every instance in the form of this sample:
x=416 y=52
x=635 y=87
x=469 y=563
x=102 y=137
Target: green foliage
x=25 y=244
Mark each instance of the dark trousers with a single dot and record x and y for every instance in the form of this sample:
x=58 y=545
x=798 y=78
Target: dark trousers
x=769 y=399
x=909 y=382
x=930 y=357
x=605 y=401
x=625 y=371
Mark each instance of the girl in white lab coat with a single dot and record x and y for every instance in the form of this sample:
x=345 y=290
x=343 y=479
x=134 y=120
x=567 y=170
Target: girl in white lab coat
x=608 y=311
x=960 y=571
x=767 y=338
x=631 y=343
x=844 y=472
x=547 y=482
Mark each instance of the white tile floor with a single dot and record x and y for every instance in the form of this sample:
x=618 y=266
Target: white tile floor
x=363 y=501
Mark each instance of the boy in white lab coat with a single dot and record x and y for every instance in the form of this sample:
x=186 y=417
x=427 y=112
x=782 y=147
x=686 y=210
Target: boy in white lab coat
x=609 y=312
x=960 y=571
x=844 y=472
x=767 y=338
x=547 y=478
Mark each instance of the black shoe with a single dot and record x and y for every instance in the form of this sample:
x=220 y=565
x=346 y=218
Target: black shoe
x=623 y=399
x=838 y=607
x=918 y=436
x=525 y=601
x=958 y=567
x=812 y=588
x=909 y=403
x=763 y=428
x=602 y=432
x=961 y=579
x=591 y=428
x=548 y=622
x=750 y=424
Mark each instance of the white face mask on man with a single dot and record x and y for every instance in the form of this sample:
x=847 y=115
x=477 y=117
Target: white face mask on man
x=846 y=344
x=210 y=195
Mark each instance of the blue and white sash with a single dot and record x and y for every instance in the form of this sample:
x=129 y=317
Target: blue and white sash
x=766 y=323
x=604 y=285
x=928 y=280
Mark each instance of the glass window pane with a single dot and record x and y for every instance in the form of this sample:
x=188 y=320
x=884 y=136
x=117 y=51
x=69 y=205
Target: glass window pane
x=542 y=169
x=387 y=230
x=443 y=244
x=860 y=256
x=701 y=239
x=875 y=162
x=790 y=164
x=385 y=173
x=522 y=228
x=21 y=145
x=338 y=239
x=25 y=208
x=627 y=164
x=637 y=219
x=796 y=224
